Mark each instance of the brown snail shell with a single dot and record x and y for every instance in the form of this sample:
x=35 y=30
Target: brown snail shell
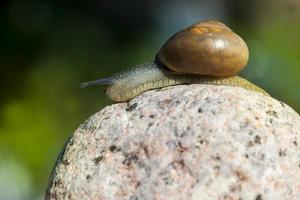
x=205 y=48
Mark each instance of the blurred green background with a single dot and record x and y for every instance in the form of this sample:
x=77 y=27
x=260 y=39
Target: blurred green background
x=49 y=47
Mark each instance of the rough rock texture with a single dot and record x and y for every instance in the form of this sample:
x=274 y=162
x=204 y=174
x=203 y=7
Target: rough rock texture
x=199 y=142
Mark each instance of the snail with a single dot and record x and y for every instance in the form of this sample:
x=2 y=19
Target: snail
x=207 y=52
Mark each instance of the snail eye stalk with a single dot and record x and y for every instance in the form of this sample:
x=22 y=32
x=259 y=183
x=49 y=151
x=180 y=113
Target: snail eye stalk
x=104 y=81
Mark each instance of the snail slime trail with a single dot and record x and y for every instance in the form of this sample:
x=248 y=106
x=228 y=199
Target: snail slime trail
x=205 y=53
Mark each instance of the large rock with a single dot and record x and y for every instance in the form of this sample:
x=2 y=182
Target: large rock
x=200 y=142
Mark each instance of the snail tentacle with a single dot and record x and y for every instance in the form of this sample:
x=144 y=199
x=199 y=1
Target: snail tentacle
x=103 y=81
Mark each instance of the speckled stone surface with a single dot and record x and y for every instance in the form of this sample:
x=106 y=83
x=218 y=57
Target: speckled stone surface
x=198 y=142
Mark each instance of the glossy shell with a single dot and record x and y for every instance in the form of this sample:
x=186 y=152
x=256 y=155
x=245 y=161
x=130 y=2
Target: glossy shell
x=205 y=48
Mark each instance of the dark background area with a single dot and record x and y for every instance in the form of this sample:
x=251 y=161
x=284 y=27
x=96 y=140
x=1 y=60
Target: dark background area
x=47 y=48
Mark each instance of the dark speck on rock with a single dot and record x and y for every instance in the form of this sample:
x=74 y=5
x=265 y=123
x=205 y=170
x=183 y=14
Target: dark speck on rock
x=131 y=107
x=130 y=158
x=295 y=143
x=114 y=148
x=242 y=176
x=258 y=197
x=177 y=102
x=151 y=116
x=134 y=198
x=150 y=124
x=257 y=139
x=250 y=144
x=71 y=142
x=88 y=177
x=200 y=110
x=217 y=168
x=272 y=113
x=97 y=159
x=56 y=183
x=282 y=152
x=250 y=132
x=65 y=162
x=216 y=157
x=87 y=125
x=167 y=101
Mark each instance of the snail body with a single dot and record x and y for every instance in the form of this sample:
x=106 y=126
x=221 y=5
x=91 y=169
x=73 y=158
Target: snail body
x=207 y=52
